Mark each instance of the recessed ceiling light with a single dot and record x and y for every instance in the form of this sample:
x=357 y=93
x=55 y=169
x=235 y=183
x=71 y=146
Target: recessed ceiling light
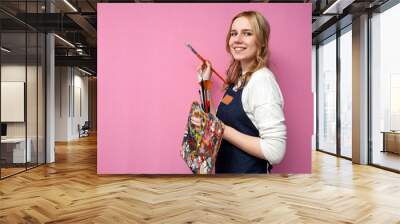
x=5 y=50
x=86 y=72
x=338 y=6
x=70 y=5
x=64 y=40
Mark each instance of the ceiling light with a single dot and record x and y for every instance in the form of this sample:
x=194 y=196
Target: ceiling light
x=5 y=49
x=70 y=5
x=64 y=40
x=84 y=71
x=338 y=6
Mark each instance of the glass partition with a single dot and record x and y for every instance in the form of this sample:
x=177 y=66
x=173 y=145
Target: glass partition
x=22 y=88
x=327 y=96
x=385 y=89
x=32 y=95
x=13 y=110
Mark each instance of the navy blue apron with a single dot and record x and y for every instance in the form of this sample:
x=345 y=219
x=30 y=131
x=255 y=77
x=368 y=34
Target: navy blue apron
x=231 y=159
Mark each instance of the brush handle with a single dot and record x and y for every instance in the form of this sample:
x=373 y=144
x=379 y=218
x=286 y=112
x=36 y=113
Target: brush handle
x=204 y=61
x=219 y=76
x=212 y=69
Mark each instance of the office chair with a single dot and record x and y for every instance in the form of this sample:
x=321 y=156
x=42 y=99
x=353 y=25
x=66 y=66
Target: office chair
x=84 y=130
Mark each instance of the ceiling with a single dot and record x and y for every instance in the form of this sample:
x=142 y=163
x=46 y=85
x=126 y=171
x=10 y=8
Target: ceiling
x=76 y=22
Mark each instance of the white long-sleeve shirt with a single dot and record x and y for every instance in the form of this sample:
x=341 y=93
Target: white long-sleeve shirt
x=263 y=103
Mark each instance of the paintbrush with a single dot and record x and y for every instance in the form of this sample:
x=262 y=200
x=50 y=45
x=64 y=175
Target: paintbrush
x=203 y=60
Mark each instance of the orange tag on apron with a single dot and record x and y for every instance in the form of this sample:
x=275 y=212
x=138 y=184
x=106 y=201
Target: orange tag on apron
x=227 y=99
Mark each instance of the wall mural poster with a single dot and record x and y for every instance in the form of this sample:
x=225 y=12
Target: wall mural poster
x=247 y=67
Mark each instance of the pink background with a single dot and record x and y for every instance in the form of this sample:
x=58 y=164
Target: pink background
x=147 y=79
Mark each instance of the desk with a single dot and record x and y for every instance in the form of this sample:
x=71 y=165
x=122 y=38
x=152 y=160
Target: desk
x=15 y=148
x=391 y=141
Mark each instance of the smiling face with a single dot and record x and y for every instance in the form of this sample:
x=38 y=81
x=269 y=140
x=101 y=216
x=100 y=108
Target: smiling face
x=247 y=42
x=243 y=41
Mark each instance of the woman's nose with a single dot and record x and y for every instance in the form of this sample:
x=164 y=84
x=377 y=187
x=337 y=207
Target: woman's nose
x=238 y=38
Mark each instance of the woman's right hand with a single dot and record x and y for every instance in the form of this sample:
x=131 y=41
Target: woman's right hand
x=196 y=122
x=204 y=71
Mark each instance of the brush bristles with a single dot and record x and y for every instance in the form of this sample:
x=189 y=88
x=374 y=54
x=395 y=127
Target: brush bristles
x=191 y=48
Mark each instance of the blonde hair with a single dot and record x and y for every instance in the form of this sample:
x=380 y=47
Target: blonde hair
x=262 y=30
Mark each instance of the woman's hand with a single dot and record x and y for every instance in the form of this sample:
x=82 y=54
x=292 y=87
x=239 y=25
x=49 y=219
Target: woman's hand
x=196 y=121
x=204 y=71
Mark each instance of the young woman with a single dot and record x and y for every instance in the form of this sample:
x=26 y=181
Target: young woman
x=252 y=107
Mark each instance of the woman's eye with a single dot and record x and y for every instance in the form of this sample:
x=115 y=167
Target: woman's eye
x=233 y=34
x=248 y=34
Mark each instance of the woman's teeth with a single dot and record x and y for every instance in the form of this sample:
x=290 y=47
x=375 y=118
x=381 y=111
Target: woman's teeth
x=238 y=49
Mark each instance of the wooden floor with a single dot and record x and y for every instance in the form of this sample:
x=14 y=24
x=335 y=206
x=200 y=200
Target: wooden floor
x=387 y=159
x=5 y=172
x=70 y=191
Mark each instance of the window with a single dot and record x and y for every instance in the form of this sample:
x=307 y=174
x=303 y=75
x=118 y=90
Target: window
x=385 y=88
x=327 y=96
x=346 y=93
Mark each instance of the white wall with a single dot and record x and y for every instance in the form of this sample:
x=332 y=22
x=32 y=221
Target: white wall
x=12 y=101
x=10 y=73
x=80 y=114
x=16 y=73
x=71 y=93
x=62 y=80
